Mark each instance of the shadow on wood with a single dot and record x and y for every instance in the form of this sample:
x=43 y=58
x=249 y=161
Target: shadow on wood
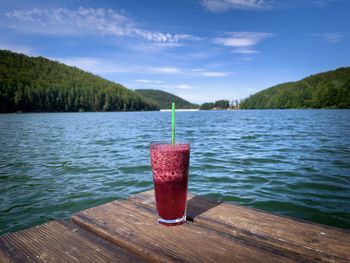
x=198 y=205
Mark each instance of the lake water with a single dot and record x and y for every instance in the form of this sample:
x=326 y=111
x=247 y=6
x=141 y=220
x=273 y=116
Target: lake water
x=290 y=162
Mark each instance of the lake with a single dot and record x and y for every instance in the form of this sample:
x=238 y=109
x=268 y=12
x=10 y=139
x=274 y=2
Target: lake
x=290 y=162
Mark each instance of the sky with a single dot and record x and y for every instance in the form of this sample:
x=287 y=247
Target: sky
x=200 y=50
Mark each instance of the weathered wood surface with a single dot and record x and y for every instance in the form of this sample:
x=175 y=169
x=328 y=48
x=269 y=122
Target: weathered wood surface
x=313 y=241
x=60 y=241
x=134 y=228
x=127 y=231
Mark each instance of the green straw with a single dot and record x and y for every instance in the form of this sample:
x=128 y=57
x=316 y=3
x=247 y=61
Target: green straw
x=173 y=123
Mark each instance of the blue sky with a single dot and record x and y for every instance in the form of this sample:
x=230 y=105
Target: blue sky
x=201 y=50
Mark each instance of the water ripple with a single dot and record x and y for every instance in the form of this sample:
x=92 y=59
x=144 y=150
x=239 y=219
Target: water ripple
x=291 y=162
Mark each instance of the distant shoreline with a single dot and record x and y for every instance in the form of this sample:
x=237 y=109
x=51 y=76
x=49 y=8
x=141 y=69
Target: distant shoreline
x=180 y=110
x=167 y=110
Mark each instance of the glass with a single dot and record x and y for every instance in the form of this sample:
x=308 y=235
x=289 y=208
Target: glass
x=170 y=164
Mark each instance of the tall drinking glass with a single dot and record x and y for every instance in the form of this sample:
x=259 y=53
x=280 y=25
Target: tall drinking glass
x=170 y=164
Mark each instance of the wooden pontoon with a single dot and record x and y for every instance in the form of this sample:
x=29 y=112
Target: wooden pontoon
x=127 y=231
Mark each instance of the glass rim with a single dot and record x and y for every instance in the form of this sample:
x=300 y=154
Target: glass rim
x=169 y=143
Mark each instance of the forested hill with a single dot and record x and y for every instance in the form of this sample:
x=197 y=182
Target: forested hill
x=164 y=99
x=36 y=84
x=325 y=90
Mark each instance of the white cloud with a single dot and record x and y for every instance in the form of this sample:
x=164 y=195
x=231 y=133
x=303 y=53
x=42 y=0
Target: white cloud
x=332 y=37
x=247 y=51
x=105 y=66
x=243 y=42
x=86 y=21
x=153 y=47
x=16 y=48
x=148 y=81
x=242 y=39
x=210 y=74
x=166 y=86
x=225 y=5
x=183 y=86
x=100 y=66
x=166 y=70
x=187 y=71
x=94 y=65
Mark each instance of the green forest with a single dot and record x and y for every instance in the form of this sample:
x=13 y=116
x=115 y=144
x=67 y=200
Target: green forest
x=164 y=99
x=325 y=90
x=218 y=105
x=36 y=84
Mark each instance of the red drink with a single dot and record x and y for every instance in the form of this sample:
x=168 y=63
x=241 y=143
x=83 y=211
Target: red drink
x=170 y=175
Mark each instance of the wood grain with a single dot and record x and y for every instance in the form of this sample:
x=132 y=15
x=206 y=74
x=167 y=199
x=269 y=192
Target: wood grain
x=313 y=241
x=60 y=241
x=196 y=205
x=134 y=227
x=127 y=231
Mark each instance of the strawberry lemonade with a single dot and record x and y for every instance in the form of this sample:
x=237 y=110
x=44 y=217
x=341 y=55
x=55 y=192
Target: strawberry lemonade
x=170 y=165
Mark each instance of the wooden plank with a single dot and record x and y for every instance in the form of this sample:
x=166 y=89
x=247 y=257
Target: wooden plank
x=60 y=241
x=134 y=227
x=316 y=242
x=195 y=205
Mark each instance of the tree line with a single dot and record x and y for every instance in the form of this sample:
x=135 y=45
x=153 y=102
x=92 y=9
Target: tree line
x=164 y=99
x=37 y=84
x=325 y=90
x=220 y=105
